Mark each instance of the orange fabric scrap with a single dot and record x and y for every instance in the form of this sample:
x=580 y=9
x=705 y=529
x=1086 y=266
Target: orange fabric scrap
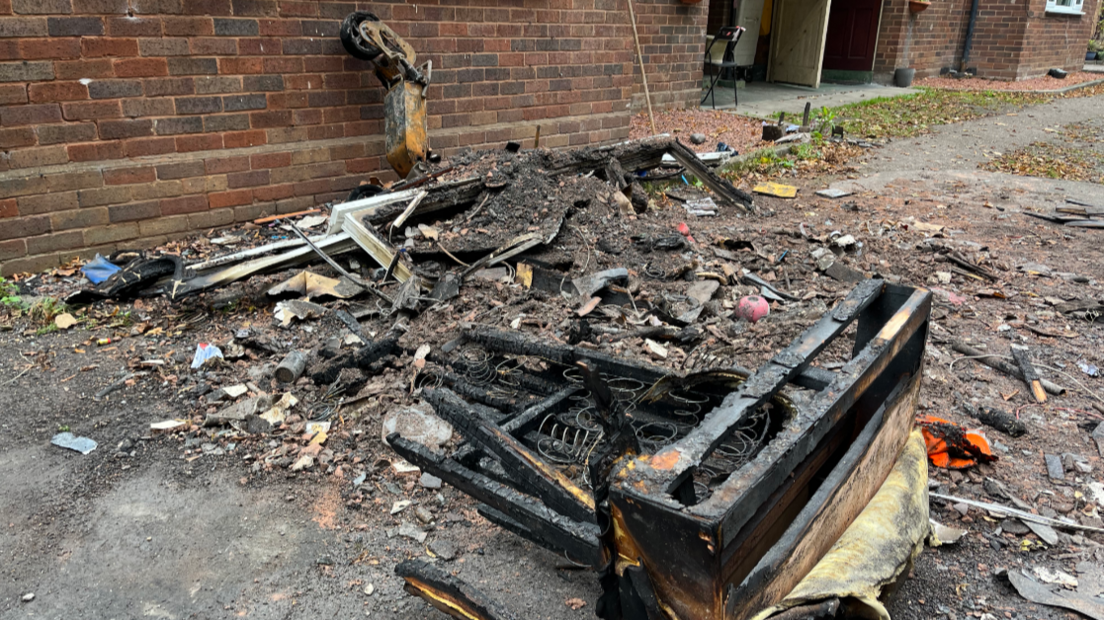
x=952 y=446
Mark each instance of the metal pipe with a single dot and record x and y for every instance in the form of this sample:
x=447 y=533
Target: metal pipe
x=969 y=36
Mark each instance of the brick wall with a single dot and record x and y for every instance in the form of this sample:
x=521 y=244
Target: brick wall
x=1013 y=39
x=672 y=39
x=126 y=123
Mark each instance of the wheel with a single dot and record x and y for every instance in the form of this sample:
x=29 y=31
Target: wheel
x=354 y=44
x=364 y=191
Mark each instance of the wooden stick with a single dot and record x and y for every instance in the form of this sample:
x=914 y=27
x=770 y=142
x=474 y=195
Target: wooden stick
x=1030 y=376
x=292 y=367
x=993 y=361
x=273 y=218
x=643 y=73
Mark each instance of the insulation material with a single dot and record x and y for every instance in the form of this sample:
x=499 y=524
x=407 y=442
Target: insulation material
x=878 y=548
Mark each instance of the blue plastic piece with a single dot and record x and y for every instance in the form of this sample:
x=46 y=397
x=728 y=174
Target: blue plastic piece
x=98 y=269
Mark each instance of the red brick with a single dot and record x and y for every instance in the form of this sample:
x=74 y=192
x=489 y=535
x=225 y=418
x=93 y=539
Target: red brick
x=14 y=248
x=129 y=176
x=226 y=164
x=230 y=199
x=202 y=142
x=30 y=114
x=188 y=26
x=96 y=151
x=8 y=208
x=141 y=67
x=239 y=139
x=183 y=204
x=13 y=93
x=92 y=110
x=262 y=161
x=134 y=26
x=149 y=146
x=32 y=49
x=81 y=69
x=274 y=118
x=240 y=66
x=99 y=47
x=275 y=192
x=16 y=137
x=58 y=91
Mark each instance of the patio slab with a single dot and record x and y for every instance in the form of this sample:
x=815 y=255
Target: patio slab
x=765 y=99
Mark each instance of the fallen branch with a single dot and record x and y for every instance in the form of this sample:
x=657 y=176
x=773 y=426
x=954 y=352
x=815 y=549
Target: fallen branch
x=993 y=361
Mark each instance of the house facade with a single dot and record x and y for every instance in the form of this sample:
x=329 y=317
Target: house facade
x=805 y=41
x=128 y=123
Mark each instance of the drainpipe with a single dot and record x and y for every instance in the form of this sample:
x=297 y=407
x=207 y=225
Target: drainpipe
x=969 y=36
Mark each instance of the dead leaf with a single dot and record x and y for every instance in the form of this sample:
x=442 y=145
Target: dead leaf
x=575 y=603
x=589 y=306
x=65 y=320
x=657 y=350
x=429 y=232
x=420 y=355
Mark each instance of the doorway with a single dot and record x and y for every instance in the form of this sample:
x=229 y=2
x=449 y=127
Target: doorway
x=852 y=35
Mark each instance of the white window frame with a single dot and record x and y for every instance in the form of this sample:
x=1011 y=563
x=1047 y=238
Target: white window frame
x=1065 y=7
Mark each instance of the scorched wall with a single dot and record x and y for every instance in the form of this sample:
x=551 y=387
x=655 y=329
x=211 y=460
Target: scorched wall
x=126 y=123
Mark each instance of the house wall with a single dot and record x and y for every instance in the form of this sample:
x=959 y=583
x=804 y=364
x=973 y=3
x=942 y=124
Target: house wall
x=1013 y=39
x=129 y=123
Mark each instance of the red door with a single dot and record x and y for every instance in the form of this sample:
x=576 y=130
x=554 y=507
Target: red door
x=852 y=35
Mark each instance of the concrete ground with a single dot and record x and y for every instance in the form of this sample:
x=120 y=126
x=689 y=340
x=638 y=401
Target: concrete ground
x=765 y=99
x=155 y=535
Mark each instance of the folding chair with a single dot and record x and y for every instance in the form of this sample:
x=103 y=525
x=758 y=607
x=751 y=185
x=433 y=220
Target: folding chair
x=730 y=36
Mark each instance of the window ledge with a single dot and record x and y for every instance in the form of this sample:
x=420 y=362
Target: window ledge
x=1061 y=10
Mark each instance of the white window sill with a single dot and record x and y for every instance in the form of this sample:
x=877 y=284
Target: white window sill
x=1061 y=10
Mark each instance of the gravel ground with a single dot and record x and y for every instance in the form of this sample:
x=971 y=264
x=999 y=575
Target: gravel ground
x=1039 y=84
x=739 y=132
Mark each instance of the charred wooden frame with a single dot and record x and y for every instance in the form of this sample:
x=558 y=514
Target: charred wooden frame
x=663 y=542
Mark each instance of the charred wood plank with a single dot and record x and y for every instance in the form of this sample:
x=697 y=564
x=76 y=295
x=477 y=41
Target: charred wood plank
x=553 y=488
x=580 y=540
x=501 y=520
x=360 y=358
x=870 y=375
x=449 y=594
x=725 y=190
x=1030 y=375
x=761 y=386
x=493 y=401
x=520 y=423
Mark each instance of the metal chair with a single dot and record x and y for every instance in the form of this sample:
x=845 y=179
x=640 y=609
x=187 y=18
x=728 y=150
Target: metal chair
x=730 y=36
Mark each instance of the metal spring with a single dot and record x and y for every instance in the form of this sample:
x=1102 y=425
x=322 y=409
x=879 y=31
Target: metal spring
x=624 y=389
x=508 y=372
x=573 y=375
x=429 y=378
x=690 y=403
x=655 y=435
x=565 y=444
x=478 y=369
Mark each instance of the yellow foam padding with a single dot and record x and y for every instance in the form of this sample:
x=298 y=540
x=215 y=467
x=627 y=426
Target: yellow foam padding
x=878 y=547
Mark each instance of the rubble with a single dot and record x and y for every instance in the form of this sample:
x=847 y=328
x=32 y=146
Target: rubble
x=555 y=247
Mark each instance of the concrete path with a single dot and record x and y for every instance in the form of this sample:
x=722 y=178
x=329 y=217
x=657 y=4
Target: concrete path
x=764 y=99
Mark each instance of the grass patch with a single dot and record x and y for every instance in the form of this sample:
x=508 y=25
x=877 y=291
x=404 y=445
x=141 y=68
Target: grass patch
x=913 y=115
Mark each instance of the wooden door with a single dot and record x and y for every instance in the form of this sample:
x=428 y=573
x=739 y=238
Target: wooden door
x=797 y=41
x=852 y=35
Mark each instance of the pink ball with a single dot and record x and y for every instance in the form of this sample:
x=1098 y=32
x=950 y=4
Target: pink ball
x=752 y=308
